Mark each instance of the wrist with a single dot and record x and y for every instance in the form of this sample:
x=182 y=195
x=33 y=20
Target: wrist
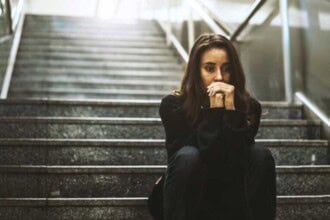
x=229 y=102
x=229 y=107
x=216 y=101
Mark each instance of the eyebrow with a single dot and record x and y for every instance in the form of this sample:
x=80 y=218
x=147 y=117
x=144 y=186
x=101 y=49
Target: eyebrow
x=213 y=63
x=209 y=63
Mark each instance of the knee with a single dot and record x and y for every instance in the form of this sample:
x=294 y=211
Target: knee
x=261 y=155
x=187 y=157
x=188 y=154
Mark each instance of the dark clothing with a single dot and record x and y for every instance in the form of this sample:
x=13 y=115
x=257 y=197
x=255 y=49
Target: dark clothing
x=189 y=194
x=208 y=174
x=215 y=126
x=185 y=177
x=222 y=136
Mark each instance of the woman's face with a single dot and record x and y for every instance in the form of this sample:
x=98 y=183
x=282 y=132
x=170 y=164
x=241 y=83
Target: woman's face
x=214 y=66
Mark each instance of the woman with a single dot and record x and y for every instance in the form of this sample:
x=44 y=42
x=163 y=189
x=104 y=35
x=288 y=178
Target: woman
x=215 y=169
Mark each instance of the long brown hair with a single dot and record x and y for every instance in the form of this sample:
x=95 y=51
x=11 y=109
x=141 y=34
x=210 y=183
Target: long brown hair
x=192 y=91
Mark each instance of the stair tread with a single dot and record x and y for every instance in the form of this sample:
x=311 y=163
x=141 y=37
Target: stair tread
x=84 y=36
x=102 y=102
x=144 y=142
x=75 y=49
x=96 y=81
x=135 y=200
x=95 y=72
x=95 y=43
x=136 y=169
x=79 y=91
x=86 y=57
x=137 y=120
x=100 y=64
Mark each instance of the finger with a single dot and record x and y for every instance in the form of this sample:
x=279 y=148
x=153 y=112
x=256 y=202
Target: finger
x=224 y=89
x=211 y=92
x=217 y=83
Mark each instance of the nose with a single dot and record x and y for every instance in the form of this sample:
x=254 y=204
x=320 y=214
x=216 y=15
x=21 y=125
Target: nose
x=218 y=76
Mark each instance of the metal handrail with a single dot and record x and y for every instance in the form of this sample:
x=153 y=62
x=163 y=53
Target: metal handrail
x=254 y=9
x=4 y=38
x=312 y=107
x=184 y=55
x=286 y=44
x=208 y=20
x=286 y=48
x=12 y=56
x=232 y=35
x=216 y=28
x=9 y=16
x=17 y=14
x=12 y=17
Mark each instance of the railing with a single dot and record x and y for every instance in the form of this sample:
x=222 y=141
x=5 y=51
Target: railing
x=219 y=27
x=12 y=15
x=215 y=24
x=286 y=48
x=312 y=111
x=232 y=35
x=16 y=14
x=15 y=24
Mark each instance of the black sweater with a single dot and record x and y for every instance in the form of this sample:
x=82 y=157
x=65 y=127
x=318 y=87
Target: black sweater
x=222 y=136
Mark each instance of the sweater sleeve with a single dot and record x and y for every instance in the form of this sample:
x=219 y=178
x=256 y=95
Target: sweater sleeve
x=241 y=127
x=209 y=135
x=177 y=130
x=224 y=135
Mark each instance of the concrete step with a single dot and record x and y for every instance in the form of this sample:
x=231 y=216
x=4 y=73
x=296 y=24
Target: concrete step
x=92 y=43
x=91 y=83
x=36 y=151
x=99 y=23
x=88 y=50
x=87 y=94
x=136 y=33
x=121 y=28
x=148 y=128
x=85 y=36
x=81 y=19
x=95 y=57
x=288 y=207
x=146 y=65
x=94 y=25
x=119 y=181
x=96 y=74
x=119 y=108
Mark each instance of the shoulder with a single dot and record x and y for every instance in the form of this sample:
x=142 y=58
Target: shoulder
x=171 y=99
x=169 y=103
x=254 y=106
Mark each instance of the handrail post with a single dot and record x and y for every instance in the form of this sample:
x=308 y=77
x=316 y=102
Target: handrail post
x=9 y=18
x=96 y=9
x=168 y=25
x=12 y=57
x=191 y=30
x=286 y=47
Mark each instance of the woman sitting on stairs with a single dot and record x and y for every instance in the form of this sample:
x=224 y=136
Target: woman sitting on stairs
x=215 y=169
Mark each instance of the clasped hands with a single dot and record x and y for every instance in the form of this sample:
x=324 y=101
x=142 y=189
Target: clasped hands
x=221 y=95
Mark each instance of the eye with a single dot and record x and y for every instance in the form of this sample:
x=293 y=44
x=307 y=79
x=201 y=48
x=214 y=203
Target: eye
x=209 y=68
x=225 y=68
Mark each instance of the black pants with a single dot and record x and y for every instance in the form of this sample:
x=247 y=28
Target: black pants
x=186 y=184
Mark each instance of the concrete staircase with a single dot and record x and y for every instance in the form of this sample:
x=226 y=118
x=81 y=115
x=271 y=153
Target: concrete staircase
x=84 y=58
x=64 y=158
